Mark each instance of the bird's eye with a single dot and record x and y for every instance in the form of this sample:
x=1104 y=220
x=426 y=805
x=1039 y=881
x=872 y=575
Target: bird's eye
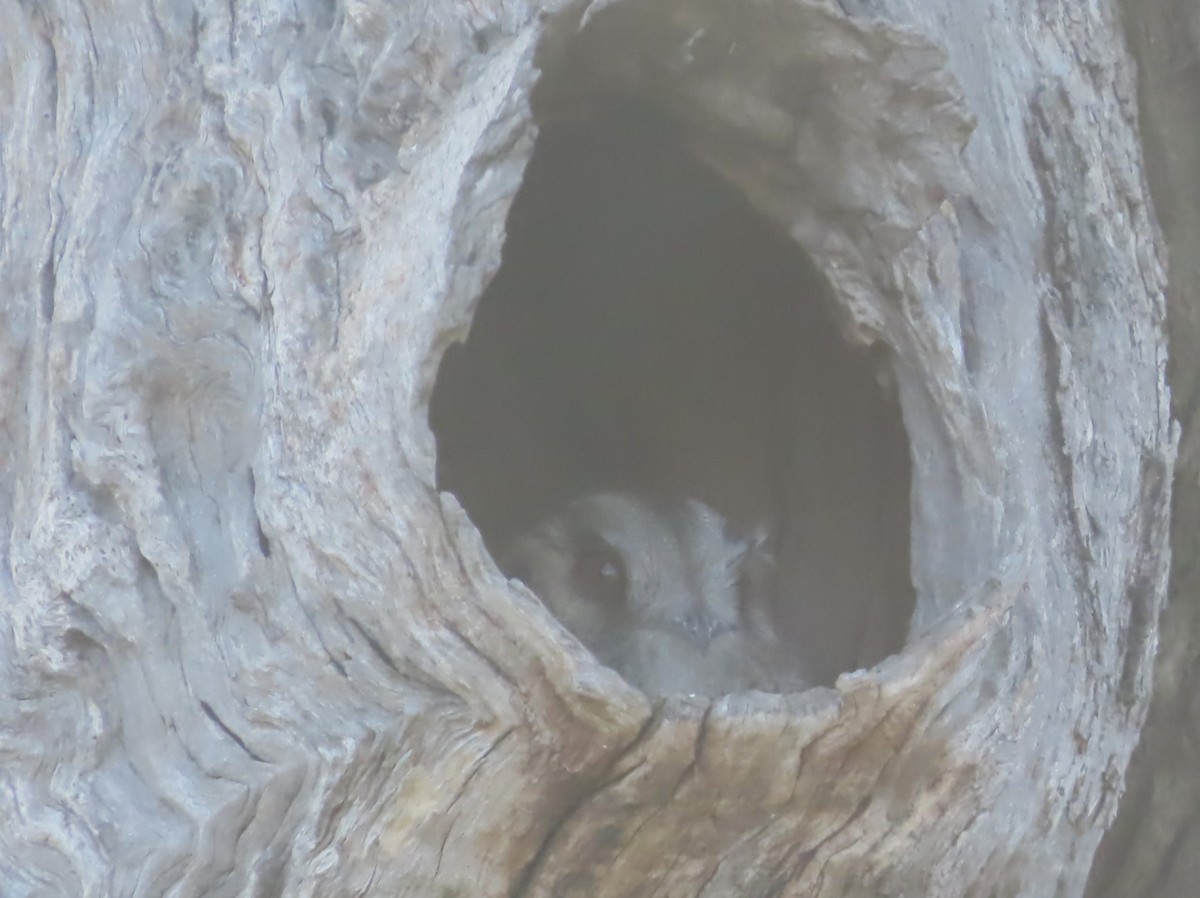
x=599 y=574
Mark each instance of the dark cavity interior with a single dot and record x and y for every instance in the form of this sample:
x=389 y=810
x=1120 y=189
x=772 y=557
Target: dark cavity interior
x=649 y=331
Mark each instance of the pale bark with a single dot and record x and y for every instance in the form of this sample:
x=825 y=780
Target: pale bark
x=1154 y=847
x=248 y=646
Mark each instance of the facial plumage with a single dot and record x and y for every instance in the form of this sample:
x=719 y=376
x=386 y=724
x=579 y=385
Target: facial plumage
x=659 y=591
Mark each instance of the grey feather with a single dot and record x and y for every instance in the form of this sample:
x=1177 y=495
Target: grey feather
x=661 y=592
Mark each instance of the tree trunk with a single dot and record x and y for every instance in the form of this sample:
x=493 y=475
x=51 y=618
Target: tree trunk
x=252 y=648
x=1154 y=847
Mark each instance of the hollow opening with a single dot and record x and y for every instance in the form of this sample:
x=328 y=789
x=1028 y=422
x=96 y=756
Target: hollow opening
x=648 y=331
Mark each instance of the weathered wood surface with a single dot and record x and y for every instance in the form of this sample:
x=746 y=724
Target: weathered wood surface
x=249 y=649
x=1153 y=848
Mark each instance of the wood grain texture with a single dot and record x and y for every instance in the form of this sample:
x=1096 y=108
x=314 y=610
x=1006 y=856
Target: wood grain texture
x=249 y=649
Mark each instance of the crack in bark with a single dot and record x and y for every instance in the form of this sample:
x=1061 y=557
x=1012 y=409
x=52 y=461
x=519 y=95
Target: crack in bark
x=812 y=852
x=370 y=640
x=525 y=878
x=306 y=612
x=1139 y=643
x=220 y=724
x=698 y=747
x=479 y=764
